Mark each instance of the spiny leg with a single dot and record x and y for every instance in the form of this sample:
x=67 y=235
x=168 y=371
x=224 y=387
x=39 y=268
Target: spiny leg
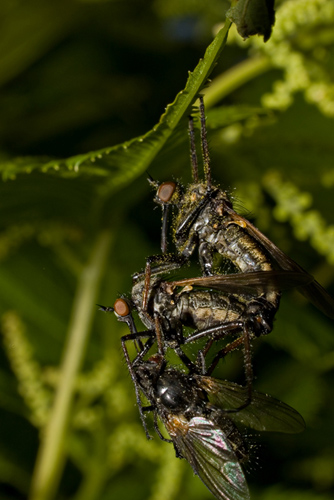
x=157 y=430
x=133 y=376
x=248 y=366
x=164 y=227
x=177 y=349
x=193 y=153
x=223 y=352
x=205 y=147
x=123 y=313
x=245 y=341
x=219 y=332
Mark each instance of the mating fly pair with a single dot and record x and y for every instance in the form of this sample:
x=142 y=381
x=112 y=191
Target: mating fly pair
x=205 y=218
x=215 y=305
x=197 y=410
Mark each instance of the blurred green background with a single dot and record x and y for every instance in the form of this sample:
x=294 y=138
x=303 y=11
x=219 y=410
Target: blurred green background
x=77 y=76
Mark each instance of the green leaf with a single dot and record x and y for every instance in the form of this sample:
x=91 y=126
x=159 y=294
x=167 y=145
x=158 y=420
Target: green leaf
x=118 y=165
x=253 y=17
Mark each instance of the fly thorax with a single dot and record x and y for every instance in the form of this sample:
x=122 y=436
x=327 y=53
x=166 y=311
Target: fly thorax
x=191 y=198
x=168 y=308
x=176 y=393
x=138 y=288
x=189 y=213
x=146 y=374
x=137 y=293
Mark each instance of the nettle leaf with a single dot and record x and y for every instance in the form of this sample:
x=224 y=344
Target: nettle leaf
x=253 y=17
x=118 y=165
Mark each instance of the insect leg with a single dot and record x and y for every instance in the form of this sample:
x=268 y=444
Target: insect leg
x=161 y=346
x=223 y=352
x=141 y=348
x=124 y=339
x=193 y=154
x=245 y=341
x=205 y=147
x=157 y=430
x=215 y=332
x=202 y=353
x=155 y=422
x=201 y=356
x=164 y=228
x=146 y=347
x=218 y=332
x=248 y=366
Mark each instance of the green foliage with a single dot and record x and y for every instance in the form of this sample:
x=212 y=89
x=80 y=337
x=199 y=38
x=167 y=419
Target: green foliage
x=121 y=164
x=74 y=225
x=253 y=17
x=302 y=47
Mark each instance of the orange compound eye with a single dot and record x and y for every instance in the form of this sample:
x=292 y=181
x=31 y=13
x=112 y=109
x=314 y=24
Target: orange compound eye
x=166 y=191
x=121 y=307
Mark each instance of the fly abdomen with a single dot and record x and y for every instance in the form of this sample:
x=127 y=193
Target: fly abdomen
x=200 y=309
x=243 y=250
x=232 y=433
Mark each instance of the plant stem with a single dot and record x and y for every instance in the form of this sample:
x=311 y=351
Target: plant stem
x=52 y=453
x=234 y=78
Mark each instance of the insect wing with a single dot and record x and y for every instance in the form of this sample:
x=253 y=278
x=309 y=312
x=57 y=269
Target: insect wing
x=249 y=283
x=212 y=458
x=312 y=291
x=264 y=413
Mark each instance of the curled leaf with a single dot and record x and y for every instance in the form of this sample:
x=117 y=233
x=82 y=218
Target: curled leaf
x=253 y=17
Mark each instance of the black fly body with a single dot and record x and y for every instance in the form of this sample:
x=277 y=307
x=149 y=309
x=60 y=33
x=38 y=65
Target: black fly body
x=193 y=410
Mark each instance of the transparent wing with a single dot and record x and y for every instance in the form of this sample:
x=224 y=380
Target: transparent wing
x=264 y=413
x=313 y=291
x=248 y=283
x=211 y=456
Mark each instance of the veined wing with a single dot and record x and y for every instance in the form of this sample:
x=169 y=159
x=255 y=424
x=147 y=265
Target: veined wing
x=212 y=458
x=313 y=291
x=264 y=413
x=252 y=283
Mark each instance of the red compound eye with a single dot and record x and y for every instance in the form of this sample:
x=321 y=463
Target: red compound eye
x=121 y=307
x=166 y=191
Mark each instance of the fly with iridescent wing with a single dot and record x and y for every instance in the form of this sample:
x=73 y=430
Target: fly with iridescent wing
x=193 y=411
